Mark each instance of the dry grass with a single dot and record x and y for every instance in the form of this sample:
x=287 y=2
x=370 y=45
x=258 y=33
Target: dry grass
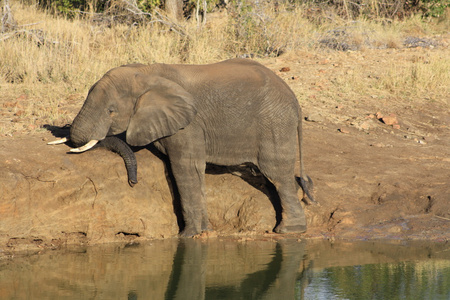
x=47 y=68
x=397 y=73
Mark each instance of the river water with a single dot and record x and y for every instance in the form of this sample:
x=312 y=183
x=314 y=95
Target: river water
x=232 y=269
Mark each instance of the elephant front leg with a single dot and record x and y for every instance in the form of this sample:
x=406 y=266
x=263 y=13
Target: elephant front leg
x=190 y=177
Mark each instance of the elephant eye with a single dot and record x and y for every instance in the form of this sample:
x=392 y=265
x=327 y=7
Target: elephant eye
x=111 y=111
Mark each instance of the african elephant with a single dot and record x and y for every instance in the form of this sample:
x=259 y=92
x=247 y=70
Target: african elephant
x=228 y=113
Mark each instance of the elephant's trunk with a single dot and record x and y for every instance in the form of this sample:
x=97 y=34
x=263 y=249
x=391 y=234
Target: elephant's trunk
x=90 y=124
x=117 y=145
x=80 y=131
x=114 y=144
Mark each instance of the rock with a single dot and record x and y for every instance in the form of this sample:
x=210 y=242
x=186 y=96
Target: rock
x=420 y=141
x=395 y=229
x=314 y=117
x=381 y=145
x=366 y=125
x=389 y=120
x=323 y=62
x=285 y=69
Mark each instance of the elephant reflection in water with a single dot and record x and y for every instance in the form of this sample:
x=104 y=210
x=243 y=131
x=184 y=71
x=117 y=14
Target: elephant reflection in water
x=277 y=280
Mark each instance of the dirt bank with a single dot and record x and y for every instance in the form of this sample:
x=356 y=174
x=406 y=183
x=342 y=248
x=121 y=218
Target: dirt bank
x=377 y=176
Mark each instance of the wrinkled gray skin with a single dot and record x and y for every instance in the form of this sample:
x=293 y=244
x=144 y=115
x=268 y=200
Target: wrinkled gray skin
x=228 y=113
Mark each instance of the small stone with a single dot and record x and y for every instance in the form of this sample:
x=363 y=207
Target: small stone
x=389 y=120
x=395 y=229
x=378 y=145
x=365 y=125
x=324 y=62
x=314 y=117
x=19 y=113
x=430 y=138
x=22 y=97
x=12 y=104
x=285 y=69
x=347 y=221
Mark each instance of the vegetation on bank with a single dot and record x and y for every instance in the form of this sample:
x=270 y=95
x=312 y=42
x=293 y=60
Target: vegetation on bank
x=39 y=46
x=349 y=9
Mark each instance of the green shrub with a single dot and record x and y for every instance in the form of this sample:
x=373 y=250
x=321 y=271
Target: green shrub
x=434 y=8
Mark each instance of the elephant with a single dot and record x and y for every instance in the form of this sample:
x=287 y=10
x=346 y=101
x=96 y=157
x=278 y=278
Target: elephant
x=227 y=113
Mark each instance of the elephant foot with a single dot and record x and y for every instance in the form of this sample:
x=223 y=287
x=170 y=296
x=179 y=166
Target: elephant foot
x=203 y=234
x=281 y=228
x=189 y=232
x=194 y=229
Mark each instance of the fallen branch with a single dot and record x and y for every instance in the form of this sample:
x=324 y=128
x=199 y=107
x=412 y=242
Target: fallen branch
x=35 y=35
x=442 y=218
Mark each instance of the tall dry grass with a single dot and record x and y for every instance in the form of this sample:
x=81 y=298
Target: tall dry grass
x=75 y=52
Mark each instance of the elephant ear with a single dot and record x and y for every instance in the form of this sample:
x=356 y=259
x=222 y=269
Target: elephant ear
x=163 y=109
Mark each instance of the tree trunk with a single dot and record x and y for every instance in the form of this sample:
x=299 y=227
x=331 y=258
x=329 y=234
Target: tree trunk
x=174 y=9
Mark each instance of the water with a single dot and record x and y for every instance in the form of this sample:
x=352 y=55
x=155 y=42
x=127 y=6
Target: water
x=231 y=269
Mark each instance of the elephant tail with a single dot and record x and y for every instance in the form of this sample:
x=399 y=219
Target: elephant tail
x=304 y=180
x=118 y=146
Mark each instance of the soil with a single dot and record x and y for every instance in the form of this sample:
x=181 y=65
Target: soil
x=380 y=166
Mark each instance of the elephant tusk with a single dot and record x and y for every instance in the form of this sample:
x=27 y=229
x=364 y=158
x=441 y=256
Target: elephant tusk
x=86 y=147
x=60 y=141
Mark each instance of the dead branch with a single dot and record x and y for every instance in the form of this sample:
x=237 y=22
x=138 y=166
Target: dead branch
x=36 y=35
x=10 y=28
x=8 y=21
x=165 y=20
x=128 y=12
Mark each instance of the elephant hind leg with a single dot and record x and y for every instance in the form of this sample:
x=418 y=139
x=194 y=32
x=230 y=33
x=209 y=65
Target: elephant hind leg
x=292 y=216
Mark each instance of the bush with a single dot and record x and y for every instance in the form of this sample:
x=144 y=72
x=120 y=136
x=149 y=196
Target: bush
x=434 y=8
x=344 y=8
